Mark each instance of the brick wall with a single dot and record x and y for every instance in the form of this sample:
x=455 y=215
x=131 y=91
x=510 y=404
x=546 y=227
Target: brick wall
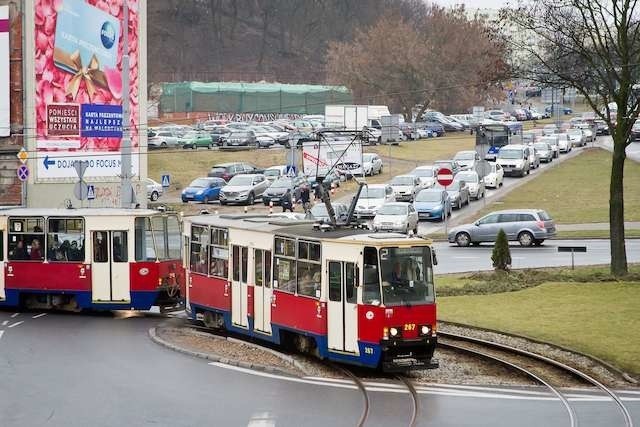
x=10 y=186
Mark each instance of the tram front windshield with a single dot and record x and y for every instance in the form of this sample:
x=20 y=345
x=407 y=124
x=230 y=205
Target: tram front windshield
x=407 y=276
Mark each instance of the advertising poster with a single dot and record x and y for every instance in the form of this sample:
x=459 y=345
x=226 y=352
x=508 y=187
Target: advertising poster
x=78 y=100
x=4 y=71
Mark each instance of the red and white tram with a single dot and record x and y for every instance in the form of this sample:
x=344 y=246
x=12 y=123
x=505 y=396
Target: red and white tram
x=347 y=295
x=106 y=259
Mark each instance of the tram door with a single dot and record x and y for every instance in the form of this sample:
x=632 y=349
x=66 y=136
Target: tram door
x=2 y=262
x=342 y=307
x=239 y=291
x=110 y=266
x=262 y=290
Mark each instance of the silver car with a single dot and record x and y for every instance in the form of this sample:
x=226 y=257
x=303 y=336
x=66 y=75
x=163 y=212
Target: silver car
x=371 y=163
x=405 y=187
x=475 y=185
x=544 y=150
x=527 y=226
x=154 y=189
x=396 y=216
x=467 y=159
x=243 y=189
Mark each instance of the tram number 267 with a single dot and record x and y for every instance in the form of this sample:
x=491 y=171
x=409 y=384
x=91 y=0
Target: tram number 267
x=409 y=326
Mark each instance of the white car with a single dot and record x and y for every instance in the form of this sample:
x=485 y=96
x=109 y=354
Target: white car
x=576 y=136
x=587 y=132
x=534 y=157
x=549 y=129
x=564 y=143
x=552 y=140
x=426 y=175
x=495 y=178
x=475 y=185
x=423 y=133
x=467 y=159
x=372 y=197
x=154 y=189
x=371 y=164
x=275 y=172
x=405 y=187
x=396 y=216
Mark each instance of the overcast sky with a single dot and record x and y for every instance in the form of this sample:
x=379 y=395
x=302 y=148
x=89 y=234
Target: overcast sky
x=482 y=4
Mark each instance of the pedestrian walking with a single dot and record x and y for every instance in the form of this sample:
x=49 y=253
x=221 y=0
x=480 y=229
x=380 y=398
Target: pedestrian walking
x=287 y=202
x=305 y=198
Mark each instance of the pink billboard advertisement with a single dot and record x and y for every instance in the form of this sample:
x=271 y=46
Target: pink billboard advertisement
x=78 y=100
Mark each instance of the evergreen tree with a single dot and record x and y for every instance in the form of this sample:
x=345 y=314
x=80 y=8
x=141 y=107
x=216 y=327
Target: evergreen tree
x=501 y=255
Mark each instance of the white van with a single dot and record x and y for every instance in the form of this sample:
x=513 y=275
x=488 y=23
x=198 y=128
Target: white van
x=514 y=159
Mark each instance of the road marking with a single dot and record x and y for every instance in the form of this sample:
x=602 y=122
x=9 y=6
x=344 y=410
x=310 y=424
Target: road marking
x=465 y=257
x=5 y=323
x=261 y=419
x=39 y=315
x=1 y=334
x=14 y=315
x=16 y=324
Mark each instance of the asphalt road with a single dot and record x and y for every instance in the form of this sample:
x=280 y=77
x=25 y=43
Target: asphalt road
x=453 y=259
x=98 y=370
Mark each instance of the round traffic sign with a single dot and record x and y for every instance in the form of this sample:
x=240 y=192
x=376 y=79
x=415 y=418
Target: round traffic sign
x=23 y=173
x=444 y=177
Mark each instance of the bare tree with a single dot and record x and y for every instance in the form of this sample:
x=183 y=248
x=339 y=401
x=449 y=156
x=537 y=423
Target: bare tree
x=594 y=47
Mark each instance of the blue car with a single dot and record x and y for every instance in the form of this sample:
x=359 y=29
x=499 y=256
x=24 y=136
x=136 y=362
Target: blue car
x=203 y=190
x=433 y=203
x=436 y=128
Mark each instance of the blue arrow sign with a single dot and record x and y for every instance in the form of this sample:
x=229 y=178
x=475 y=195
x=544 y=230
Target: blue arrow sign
x=48 y=162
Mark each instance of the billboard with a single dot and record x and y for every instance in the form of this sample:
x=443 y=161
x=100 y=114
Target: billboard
x=4 y=71
x=342 y=155
x=78 y=87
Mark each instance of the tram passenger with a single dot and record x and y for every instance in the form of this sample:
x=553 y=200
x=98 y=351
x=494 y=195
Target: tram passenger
x=19 y=253
x=74 y=253
x=36 y=253
x=118 y=254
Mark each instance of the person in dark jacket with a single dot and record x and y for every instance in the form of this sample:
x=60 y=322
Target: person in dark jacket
x=287 y=202
x=305 y=199
x=19 y=253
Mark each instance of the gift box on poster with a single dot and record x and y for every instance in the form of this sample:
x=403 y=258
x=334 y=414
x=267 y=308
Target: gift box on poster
x=86 y=42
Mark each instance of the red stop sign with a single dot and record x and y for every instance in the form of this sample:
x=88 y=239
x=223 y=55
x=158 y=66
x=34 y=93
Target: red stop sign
x=444 y=177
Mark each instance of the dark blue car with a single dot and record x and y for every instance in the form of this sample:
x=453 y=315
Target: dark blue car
x=436 y=128
x=203 y=190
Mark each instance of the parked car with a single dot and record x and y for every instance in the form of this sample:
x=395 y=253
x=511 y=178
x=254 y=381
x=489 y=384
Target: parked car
x=601 y=127
x=423 y=133
x=426 y=175
x=544 y=150
x=549 y=129
x=371 y=163
x=448 y=124
x=467 y=160
x=275 y=172
x=552 y=140
x=576 y=136
x=527 y=226
x=433 y=203
x=331 y=179
x=319 y=212
x=452 y=165
x=154 y=189
x=396 y=216
x=278 y=136
x=297 y=139
x=514 y=159
x=458 y=193
x=434 y=127
x=405 y=187
x=218 y=134
x=283 y=188
x=195 y=139
x=240 y=138
x=495 y=177
x=534 y=157
x=475 y=185
x=162 y=138
x=409 y=131
x=564 y=142
x=635 y=131
x=227 y=171
x=243 y=189
x=372 y=197
x=203 y=190
x=587 y=132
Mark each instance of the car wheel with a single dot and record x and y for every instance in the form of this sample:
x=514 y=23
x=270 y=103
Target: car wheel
x=223 y=203
x=463 y=239
x=538 y=242
x=205 y=200
x=194 y=147
x=210 y=146
x=250 y=199
x=163 y=145
x=154 y=196
x=258 y=145
x=525 y=239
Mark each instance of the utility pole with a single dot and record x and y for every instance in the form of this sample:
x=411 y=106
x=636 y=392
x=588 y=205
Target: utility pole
x=126 y=189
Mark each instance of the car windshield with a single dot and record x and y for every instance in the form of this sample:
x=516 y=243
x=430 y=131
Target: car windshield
x=239 y=135
x=575 y=131
x=368 y=157
x=392 y=210
x=191 y=134
x=372 y=193
x=422 y=172
x=510 y=154
x=241 y=180
x=283 y=183
x=407 y=275
x=402 y=180
x=465 y=156
x=467 y=177
x=272 y=172
x=429 y=196
x=200 y=183
x=541 y=146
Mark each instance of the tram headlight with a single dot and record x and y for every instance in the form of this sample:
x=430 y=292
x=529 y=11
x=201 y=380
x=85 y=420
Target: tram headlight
x=394 y=332
x=424 y=330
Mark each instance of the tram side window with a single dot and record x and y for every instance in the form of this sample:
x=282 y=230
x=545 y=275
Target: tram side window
x=65 y=239
x=100 y=247
x=284 y=269
x=144 y=247
x=335 y=281
x=26 y=239
x=158 y=226
x=219 y=253
x=371 y=277
x=120 y=248
x=258 y=267
x=199 y=248
x=173 y=237
x=309 y=269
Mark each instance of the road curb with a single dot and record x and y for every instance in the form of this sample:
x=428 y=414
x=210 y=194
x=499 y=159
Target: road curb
x=595 y=359
x=220 y=359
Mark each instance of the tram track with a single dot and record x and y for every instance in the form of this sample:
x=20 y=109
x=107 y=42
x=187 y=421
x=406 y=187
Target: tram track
x=501 y=353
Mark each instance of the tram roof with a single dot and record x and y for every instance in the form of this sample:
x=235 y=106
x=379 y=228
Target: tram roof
x=19 y=211
x=304 y=229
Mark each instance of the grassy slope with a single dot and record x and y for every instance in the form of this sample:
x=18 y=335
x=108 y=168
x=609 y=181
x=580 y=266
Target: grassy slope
x=597 y=318
x=576 y=191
